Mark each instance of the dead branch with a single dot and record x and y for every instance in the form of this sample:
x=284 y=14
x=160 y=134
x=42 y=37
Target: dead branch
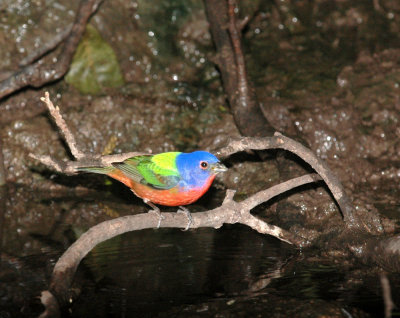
x=229 y=212
x=231 y=63
x=3 y=206
x=3 y=176
x=387 y=295
x=243 y=86
x=278 y=141
x=60 y=122
x=84 y=160
x=38 y=74
x=50 y=304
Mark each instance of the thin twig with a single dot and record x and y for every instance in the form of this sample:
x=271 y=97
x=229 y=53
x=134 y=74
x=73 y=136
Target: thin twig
x=278 y=141
x=60 y=122
x=71 y=167
x=387 y=295
x=229 y=212
x=243 y=23
x=377 y=6
x=266 y=195
x=3 y=177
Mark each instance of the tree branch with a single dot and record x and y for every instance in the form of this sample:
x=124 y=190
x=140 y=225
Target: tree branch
x=229 y=212
x=3 y=176
x=278 y=141
x=60 y=122
x=242 y=84
x=387 y=295
x=231 y=63
x=84 y=160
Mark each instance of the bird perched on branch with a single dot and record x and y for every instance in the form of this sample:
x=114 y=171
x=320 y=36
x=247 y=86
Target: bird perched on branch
x=170 y=178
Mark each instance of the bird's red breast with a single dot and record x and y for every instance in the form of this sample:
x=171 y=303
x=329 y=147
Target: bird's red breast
x=170 y=197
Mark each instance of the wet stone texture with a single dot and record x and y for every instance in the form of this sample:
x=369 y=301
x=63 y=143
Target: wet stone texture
x=172 y=98
x=25 y=26
x=326 y=73
x=356 y=130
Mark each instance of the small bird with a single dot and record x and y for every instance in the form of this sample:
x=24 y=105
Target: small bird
x=169 y=178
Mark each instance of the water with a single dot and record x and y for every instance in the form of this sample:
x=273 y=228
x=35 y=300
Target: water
x=165 y=269
x=226 y=273
x=229 y=272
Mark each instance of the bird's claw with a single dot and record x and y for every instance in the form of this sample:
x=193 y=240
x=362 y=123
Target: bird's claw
x=159 y=215
x=155 y=210
x=186 y=211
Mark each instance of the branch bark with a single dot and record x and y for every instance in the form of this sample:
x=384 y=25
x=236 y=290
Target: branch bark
x=231 y=63
x=229 y=212
x=281 y=142
x=387 y=295
x=3 y=177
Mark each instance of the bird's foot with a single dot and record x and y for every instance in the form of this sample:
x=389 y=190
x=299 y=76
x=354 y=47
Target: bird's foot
x=186 y=211
x=155 y=210
x=159 y=215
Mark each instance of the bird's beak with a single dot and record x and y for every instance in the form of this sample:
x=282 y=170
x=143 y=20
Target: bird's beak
x=218 y=167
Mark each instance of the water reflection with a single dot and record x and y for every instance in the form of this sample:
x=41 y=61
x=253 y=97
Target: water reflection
x=229 y=272
x=232 y=272
x=164 y=268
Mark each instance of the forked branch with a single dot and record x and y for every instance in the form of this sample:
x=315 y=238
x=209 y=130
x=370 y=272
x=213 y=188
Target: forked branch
x=229 y=212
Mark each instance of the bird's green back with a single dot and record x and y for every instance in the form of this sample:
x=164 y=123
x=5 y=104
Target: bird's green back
x=159 y=171
x=165 y=163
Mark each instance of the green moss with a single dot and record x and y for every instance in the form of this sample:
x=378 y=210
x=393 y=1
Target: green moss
x=94 y=65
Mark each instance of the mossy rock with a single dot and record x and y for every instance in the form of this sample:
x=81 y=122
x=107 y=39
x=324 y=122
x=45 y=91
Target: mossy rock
x=95 y=65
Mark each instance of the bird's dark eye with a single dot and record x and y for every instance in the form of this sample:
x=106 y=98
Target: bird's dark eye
x=203 y=164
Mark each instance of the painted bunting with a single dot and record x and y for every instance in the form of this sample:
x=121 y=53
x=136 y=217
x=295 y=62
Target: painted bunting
x=170 y=178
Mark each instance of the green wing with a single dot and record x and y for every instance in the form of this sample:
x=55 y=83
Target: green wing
x=157 y=171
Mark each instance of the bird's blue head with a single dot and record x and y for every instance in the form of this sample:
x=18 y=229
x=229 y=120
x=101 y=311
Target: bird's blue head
x=197 y=167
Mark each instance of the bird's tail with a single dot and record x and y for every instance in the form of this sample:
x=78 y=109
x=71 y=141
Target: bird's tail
x=96 y=169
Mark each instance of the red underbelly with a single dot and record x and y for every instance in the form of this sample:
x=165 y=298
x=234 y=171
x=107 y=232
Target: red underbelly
x=170 y=197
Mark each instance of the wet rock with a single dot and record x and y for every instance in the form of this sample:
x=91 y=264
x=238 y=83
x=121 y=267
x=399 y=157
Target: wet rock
x=246 y=177
x=26 y=26
x=23 y=137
